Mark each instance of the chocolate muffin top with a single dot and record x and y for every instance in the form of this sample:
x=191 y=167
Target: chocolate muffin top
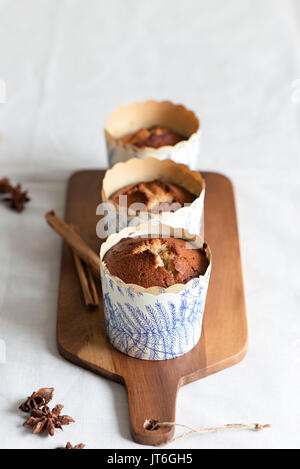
x=154 y=137
x=155 y=195
x=150 y=262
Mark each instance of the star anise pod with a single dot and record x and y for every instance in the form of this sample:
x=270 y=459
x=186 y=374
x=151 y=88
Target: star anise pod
x=37 y=399
x=69 y=446
x=5 y=186
x=44 y=419
x=17 y=198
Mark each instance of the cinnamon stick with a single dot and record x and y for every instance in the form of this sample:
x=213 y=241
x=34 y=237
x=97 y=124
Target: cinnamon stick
x=92 y=285
x=86 y=279
x=74 y=240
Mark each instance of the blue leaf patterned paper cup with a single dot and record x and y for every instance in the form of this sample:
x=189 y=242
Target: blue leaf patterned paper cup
x=153 y=323
x=134 y=171
x=131 y=118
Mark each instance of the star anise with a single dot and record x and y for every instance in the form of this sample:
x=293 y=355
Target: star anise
x=17 y=198
x=37 y=399
x=5 y=186
x=44 y=419
x=69 y=446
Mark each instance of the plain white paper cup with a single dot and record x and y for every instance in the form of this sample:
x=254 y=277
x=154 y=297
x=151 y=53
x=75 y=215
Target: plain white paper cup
x=153 y=323
x=133 y=171
x=137 y=115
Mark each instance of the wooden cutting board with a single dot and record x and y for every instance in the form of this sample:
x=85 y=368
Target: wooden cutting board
x=152 y=386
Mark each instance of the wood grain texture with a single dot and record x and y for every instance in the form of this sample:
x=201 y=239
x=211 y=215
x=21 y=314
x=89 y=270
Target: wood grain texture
x=152 y=386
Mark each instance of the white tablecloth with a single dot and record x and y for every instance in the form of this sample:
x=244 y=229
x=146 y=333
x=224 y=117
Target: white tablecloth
x=66 y=65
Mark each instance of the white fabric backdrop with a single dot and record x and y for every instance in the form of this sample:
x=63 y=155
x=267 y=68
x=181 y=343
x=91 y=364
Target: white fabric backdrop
x=67 y=64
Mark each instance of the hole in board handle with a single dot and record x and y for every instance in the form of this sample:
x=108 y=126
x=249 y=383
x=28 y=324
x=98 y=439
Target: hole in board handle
x=151 y=425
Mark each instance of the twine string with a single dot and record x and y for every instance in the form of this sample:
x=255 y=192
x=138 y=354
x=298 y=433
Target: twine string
x=155 y=425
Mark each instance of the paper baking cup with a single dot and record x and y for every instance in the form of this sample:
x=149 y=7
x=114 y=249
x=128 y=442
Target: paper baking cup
x=133 y=171
x=128 y=119
x=153 y=323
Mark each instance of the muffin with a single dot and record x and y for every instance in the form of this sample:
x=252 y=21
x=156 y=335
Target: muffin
x=171 y=193
x=151 y=262
x=161 y=130
x=154 y=137
x=156 y=196
x=154 y=283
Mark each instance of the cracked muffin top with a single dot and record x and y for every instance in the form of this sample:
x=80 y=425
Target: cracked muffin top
x=155 y=195
x=150 y=262
x=154 y=137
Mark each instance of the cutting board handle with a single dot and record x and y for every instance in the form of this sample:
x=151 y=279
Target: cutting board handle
x=151 y=401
